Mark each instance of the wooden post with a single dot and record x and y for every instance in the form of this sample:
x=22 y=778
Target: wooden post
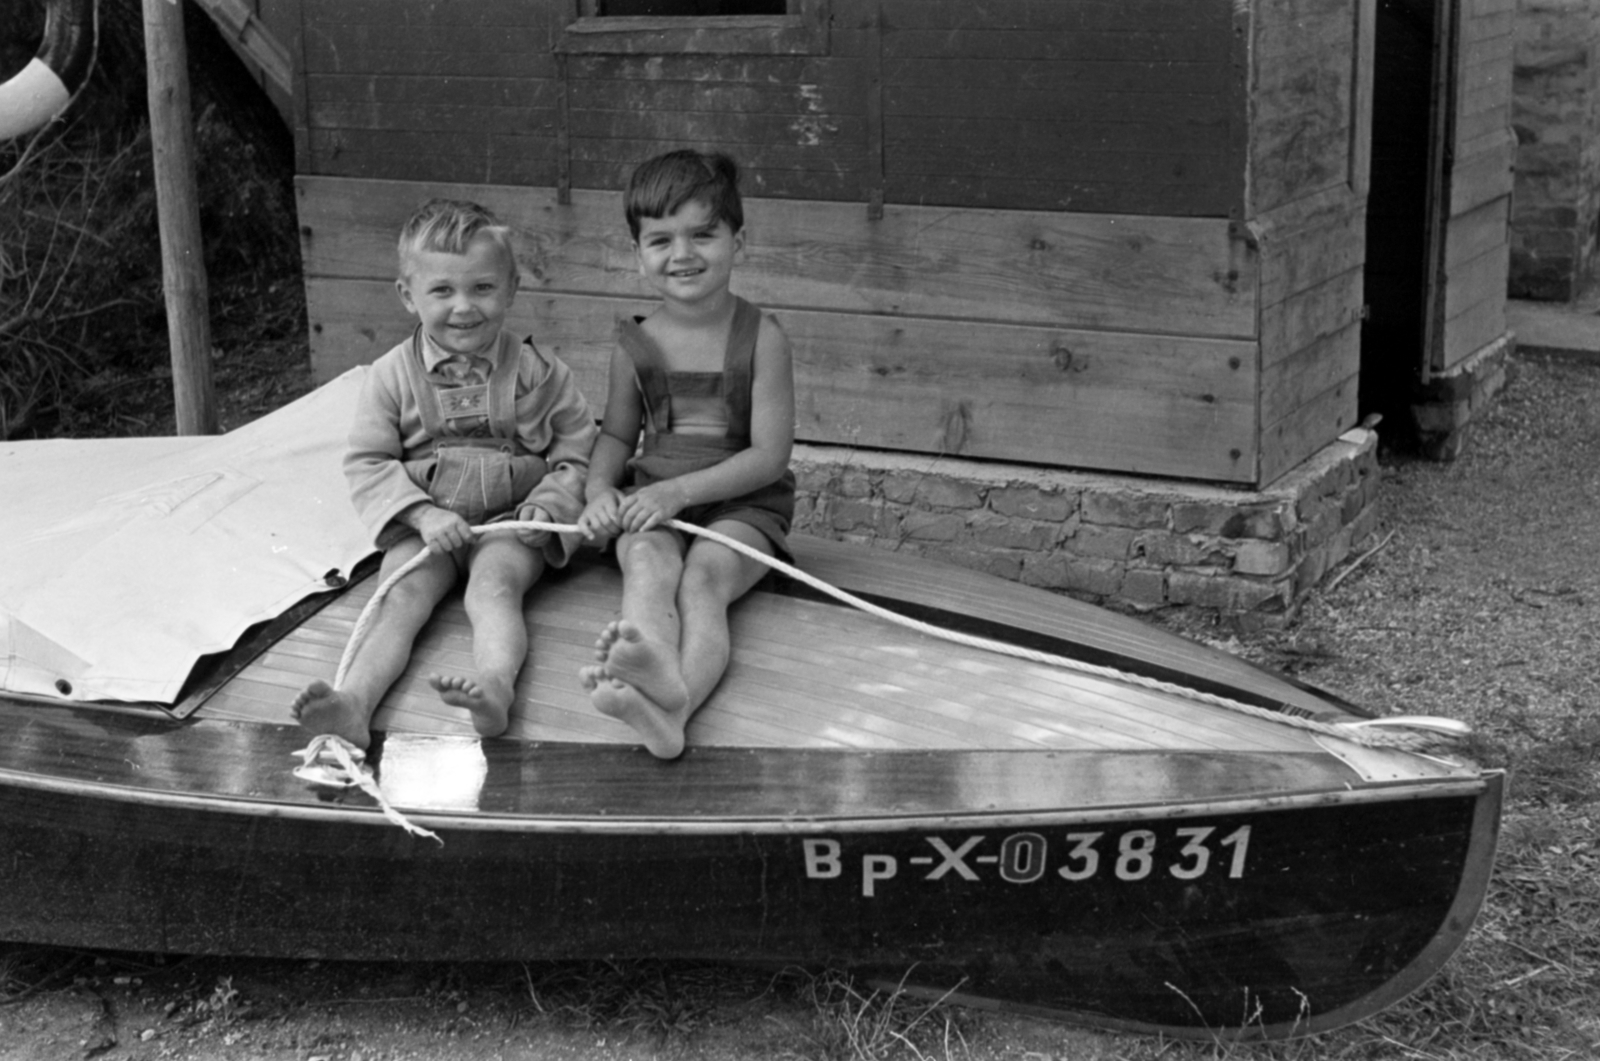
x=178 y=209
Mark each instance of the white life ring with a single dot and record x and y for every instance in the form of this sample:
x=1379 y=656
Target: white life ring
x=43 y=88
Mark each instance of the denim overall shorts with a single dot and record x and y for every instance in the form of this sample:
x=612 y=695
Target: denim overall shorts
x=478 y=477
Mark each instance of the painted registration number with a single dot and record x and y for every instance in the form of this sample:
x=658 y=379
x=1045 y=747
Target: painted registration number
x=1025 y=858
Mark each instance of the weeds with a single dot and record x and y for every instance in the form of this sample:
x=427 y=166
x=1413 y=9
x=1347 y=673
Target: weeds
x=222 y=1005
x=653 y=999
x=849 y=1025
x=83 y=336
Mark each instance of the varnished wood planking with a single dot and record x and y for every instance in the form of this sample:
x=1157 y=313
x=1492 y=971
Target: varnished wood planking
x=916 y=580
x=825 y=671
x=805 y=674
x=1170 y=275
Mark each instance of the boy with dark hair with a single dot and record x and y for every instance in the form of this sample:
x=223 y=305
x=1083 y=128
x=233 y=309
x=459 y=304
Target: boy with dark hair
x=707 y=379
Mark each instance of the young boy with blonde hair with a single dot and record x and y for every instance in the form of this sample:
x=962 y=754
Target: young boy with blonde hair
x=459 y=425
x=707 y=379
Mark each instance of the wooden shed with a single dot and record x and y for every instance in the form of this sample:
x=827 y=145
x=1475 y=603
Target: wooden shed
x=1125 y=237
x=1076 y=287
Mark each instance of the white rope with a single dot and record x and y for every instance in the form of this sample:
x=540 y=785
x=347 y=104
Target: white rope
x=333 y=761
x=1362 y=732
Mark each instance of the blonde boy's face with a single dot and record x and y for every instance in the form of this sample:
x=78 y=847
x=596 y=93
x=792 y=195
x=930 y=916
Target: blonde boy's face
x=461 y=299
x=686 y=257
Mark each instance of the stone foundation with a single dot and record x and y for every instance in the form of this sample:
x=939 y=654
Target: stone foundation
x=1446 y=405
x=1137 y=543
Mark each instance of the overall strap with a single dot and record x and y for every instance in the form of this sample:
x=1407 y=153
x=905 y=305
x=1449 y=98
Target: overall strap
x=501 y=391
x=503 y=387
x=422 y=388
x=737 y=367
x=649 y=373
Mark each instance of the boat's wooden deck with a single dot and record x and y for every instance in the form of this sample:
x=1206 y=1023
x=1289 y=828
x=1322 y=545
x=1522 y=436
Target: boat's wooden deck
x=812 y=673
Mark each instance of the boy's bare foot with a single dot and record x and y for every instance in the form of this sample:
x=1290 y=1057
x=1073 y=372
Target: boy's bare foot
x=490 y=714
x=320 y=708
x=649 y=666
x=660 y=730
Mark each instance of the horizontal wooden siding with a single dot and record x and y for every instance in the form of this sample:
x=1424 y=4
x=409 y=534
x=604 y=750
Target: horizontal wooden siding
x=1086 y=341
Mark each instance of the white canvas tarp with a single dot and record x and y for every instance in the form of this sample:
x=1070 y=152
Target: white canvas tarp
x=123 y=561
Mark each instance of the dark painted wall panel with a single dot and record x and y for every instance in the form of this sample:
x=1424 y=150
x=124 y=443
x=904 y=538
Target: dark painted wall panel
x=1098 y=107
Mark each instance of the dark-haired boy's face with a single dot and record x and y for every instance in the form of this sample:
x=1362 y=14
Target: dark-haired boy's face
x=686 y=256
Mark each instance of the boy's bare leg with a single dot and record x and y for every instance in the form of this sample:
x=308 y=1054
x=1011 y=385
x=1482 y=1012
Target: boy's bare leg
x=641 y=648
x=500 y=573
x=659 y=730
x=714 y=576
x=384 y=650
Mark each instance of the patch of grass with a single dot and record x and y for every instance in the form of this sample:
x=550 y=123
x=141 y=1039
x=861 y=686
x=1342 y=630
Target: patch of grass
x=656 y=1000
x=851 y=1021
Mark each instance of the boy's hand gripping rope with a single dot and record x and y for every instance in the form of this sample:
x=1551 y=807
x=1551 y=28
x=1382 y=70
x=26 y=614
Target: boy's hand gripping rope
x=1379 y=732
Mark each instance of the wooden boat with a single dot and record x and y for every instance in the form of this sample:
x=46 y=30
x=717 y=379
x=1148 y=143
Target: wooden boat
x=1182 y=843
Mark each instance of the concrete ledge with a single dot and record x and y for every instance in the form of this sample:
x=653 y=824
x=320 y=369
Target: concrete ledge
x=1137 y=543
x=1556 y=329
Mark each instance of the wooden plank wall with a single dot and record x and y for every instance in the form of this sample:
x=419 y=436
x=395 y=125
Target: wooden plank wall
x=1094 y=300
x=430 y=91
x=1010 y=335
x=1309 y=133
x=1477 y=252
x=1131 y=107
x=1127 y=107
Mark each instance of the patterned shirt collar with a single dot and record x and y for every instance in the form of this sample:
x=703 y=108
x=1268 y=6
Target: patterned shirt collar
x=434 y=357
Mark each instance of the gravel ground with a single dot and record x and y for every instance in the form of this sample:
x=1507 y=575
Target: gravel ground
x=1482 y=604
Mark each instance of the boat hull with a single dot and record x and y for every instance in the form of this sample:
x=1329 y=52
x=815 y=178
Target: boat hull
x=1263 y=915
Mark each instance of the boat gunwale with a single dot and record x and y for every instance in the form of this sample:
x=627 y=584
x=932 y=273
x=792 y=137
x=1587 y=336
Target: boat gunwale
x=1404 y=790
